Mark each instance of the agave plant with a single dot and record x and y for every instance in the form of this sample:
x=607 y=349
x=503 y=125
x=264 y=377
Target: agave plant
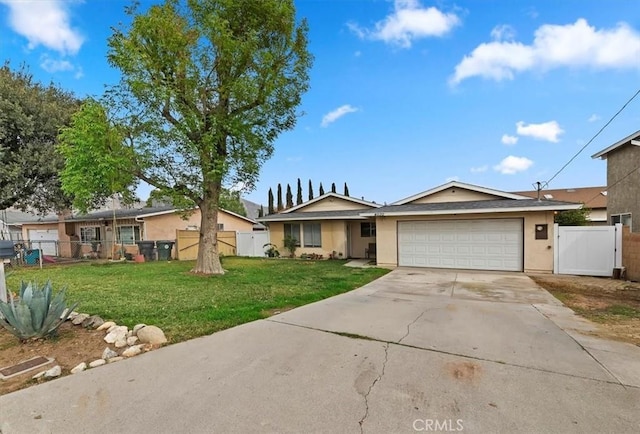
x=36 y=314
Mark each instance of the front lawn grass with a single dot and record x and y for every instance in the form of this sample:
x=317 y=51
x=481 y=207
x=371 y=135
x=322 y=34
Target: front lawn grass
x=187 y=306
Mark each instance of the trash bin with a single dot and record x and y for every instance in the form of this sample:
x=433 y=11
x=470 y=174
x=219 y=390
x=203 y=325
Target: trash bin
x=32 y=256
x=146 y=249
x=164 y=250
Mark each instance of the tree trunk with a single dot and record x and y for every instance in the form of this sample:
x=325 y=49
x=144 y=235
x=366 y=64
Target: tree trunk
x=208 y=259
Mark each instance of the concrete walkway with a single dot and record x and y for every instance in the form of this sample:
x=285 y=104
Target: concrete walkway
x=413 y=351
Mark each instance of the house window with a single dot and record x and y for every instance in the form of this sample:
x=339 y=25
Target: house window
x=292 y=230
x=312 y=235
x=625 y=219
x=221 y=226
x=89 y=233
x=128 y=234
x=367 y=229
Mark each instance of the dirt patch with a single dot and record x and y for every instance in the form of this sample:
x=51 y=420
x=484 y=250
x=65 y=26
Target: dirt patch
x=614 y=305
x=464 y=371
x=72 y=346
x=271 y=312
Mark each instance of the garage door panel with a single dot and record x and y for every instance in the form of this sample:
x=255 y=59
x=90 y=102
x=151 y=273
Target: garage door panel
x=486 y=244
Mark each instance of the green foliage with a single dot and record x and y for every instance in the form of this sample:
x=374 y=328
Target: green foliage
x=272 y=251
x=30 y=116
x=291 y=244
x=289 y=197
x=321 y=190
x=333 y=187
x=36 y=314
x=573 y=217
x=299 y=194
x=346 y=189
x=270 y=208
x=280 y=203
x=98 y=164
x=231 y=201
x=310 y=190
x=207 y=87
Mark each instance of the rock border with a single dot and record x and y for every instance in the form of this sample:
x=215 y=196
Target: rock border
x=128 y=343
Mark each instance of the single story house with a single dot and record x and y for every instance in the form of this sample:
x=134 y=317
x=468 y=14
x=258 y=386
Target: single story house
x=454 y=225
x=623 y=181
x=326 y=224
x=76 y=235
x=593 y=198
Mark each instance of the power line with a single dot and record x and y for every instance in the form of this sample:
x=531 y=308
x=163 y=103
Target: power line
x=594 y=137
x=615 y=183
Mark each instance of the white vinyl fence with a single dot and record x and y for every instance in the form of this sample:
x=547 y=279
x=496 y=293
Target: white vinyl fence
x=251 y=243
x=587 y=250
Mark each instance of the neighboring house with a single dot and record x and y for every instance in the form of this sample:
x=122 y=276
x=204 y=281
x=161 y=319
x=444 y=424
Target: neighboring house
x=593 y=198
x=326 y=224
x=623 y=181
x=455 y=225
x=152 y=223
x=11 y=223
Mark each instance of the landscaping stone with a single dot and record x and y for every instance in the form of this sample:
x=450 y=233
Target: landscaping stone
x=132 y=351
x=121 y=342
x=116 y=333
x=97 y=363
x=77 y=320
x=79 y=368
x=130 y=334
x=39 y=375
x=151 y=335
x=53 y=372
x=110 y=329
x=137 y=327
x=94 y=321
x=64 y=313
x=108 y=353
x=106 y=326
x=115 y=359
x=132 y=340
x=72 y=315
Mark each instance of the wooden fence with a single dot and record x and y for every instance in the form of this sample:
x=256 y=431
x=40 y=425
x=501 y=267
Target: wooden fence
x=187 y=244
x=631 y=254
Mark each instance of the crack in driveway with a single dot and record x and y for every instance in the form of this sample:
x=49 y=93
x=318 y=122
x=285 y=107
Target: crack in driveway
x=378 y=378
x=412 y=323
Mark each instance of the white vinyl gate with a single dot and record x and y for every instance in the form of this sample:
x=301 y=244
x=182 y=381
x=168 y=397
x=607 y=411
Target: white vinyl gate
x=251 y=243
x=587 y=250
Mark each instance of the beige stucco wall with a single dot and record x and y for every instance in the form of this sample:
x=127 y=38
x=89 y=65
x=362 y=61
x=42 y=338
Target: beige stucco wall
x=623 y=179
x=163 y=227
x=333 y=238
x=43 y=226
x=332 y=204
x=455 y=194
x=598 y=215
x=538 y=254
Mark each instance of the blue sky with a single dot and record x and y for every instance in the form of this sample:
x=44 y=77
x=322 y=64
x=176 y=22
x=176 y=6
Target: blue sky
x=406 y=95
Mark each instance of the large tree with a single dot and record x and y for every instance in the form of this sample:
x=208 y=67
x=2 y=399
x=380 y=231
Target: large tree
x=299 y=193
x=30 y=116
x=207 y=87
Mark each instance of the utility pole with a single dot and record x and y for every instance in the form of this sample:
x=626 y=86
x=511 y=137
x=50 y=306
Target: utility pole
x=538 y=187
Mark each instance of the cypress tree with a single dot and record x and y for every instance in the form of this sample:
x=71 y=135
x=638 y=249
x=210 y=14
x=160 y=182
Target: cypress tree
x=333 y=187
x=346 y=190
x=321 y=192
x=261 y=211
x=270 y=206
x=280 y=205
x=310 y=190
x=299 y=195
x=289 y=197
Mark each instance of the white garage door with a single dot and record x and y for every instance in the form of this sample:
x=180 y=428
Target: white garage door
x=494 y=244
x=45 y=239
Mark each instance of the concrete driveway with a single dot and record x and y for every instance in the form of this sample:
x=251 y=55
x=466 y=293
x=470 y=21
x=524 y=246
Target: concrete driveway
x=414 y=351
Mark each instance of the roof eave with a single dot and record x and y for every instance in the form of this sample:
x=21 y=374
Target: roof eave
x=474 y=211
x=458 y=184
x=631 y=139
x=297 y=218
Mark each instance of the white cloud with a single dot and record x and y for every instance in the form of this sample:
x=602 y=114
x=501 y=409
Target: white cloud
x=594 y=118
x=336 y=114
x=554 y=46
x=408 y=21
x=452 y=178
x=479 y=169
x=45 y=23
x=357 y=54
x=512 y=165
x=548 y=131
x=509 y=140
x=51 y=65
x=503 y=32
